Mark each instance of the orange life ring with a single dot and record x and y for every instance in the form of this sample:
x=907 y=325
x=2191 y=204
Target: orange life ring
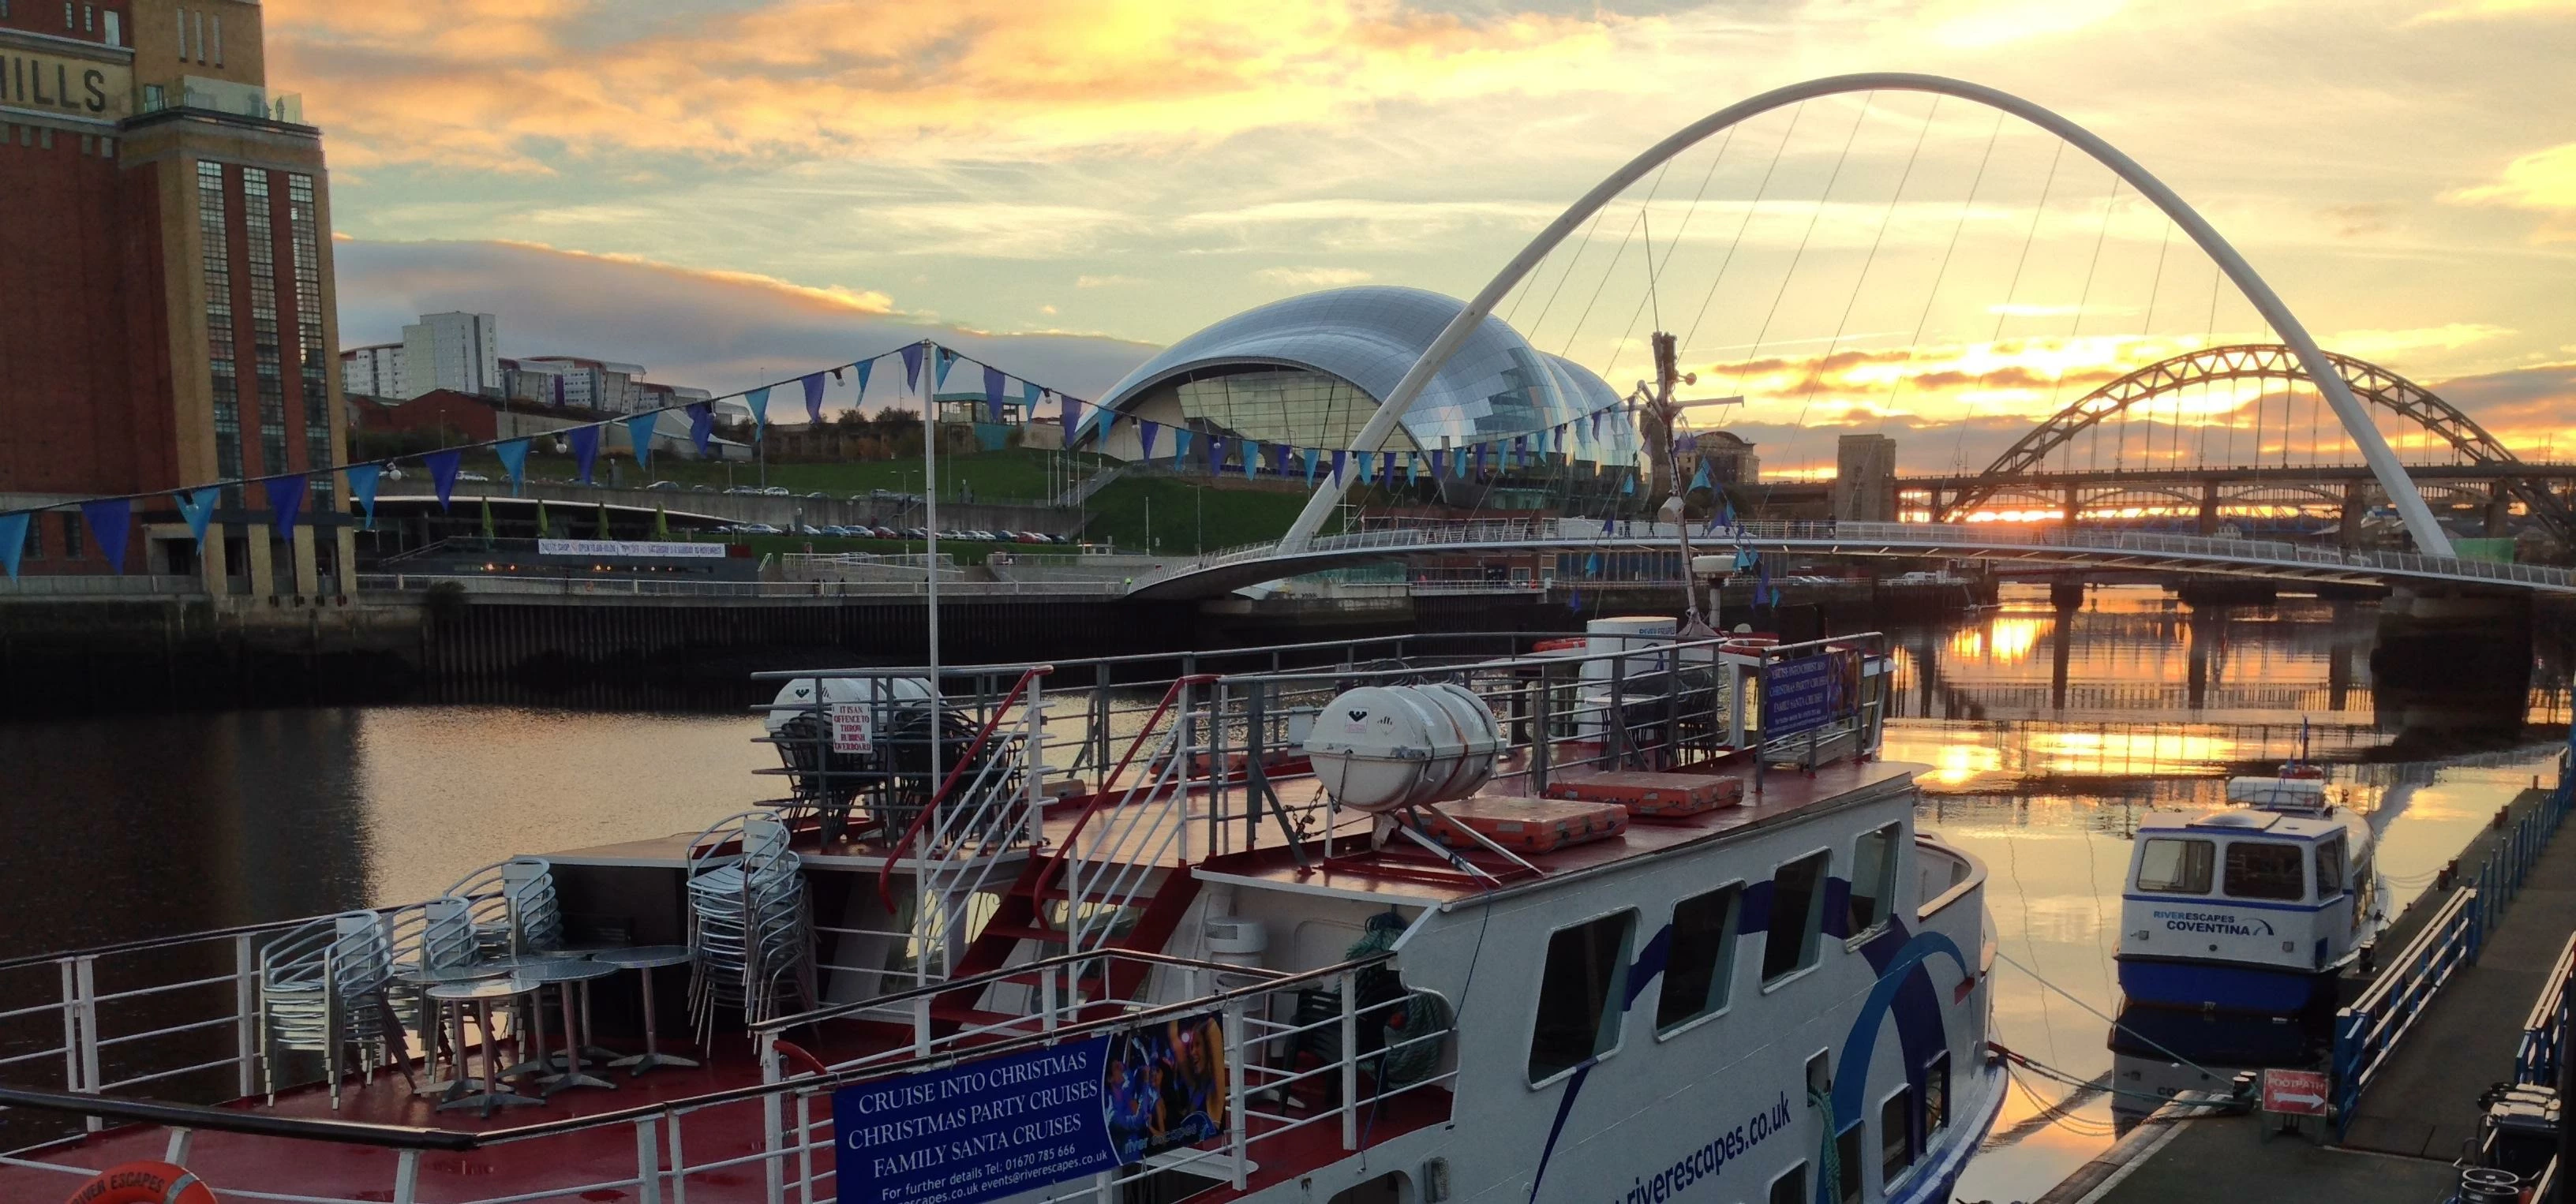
x=144 y=1183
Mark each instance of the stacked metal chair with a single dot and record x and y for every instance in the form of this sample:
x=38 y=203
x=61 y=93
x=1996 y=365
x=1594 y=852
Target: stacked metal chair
x=513 y=907
x=322 y=989
x=437 y=934
x=751 y=931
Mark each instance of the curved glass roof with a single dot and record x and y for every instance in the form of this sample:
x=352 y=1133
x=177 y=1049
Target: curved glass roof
x=1495 y=386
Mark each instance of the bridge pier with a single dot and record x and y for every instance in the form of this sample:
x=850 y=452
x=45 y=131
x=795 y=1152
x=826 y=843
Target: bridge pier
x=2499 y=510
x=2066 y=591
x=2071 y=506
x=2208 y=508
x=2348 y=522
x=2454 y=640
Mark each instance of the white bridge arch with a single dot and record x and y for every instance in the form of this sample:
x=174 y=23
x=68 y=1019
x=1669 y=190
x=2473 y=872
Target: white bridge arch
x=2428 y=535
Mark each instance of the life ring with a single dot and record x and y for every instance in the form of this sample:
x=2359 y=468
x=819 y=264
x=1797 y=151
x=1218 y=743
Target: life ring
x=144 y=1183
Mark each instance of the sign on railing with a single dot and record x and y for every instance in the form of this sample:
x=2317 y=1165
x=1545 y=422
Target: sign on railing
x=1004 y=1125
x=1807 y=692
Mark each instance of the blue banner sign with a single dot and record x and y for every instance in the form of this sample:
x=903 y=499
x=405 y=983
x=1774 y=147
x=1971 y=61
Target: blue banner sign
x=996 y=1127
x=1804 y=693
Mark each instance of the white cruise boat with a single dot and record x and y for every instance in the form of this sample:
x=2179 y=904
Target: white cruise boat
x=2256 y=909
x=1420 y=922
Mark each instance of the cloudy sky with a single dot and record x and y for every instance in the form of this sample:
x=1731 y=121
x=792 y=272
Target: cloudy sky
x=731 y=191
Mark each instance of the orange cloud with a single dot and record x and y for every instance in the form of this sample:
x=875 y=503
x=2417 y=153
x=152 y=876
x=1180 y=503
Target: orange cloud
x=510 y=85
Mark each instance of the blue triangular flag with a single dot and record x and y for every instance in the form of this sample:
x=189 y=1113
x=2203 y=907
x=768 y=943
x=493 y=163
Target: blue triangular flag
x=1339 y=454
x=861 y=394
x=1145 y=432
x=109 y=521
x=813 y=397
x=1439 y=460
x=992 y=394
x=1480 y=459
x=945 y=360
x=1251 y=458
x=442 y=473
x=758 y=400
x=1520 y=450
x=13 y=540
x=1574 y=600
x=1279 y=459
x=1610 y=526
x=198 y=507
x=1180 y=445
x=1412 y=467
x=362 y=486
x=1311 y=457
x=1030 y=396
x=639 y=438
x=1386 y=468
x=1700 y=479
x=514 y=460
x=585 y=450
x=1068 y=417
x=1592 y=565
x=1363 y=467
x=1629 y=485
x=285 y=499
x=1596 y=424
x=1216 y=455
x=702 y=425
x=912 y=369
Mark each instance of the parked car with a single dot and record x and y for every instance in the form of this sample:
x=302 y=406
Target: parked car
x=663 y=485
x=775 y=491
x=811 y=529
x=479 y=478
x=916 y=533
x=757 y=529
x=820 y=496
x=891 y=533
x=702 y=489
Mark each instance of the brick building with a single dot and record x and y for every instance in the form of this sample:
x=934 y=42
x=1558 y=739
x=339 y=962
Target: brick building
x=172 y=320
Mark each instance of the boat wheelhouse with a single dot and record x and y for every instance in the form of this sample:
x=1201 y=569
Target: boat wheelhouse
x=2253 y=910
x=1097 y=930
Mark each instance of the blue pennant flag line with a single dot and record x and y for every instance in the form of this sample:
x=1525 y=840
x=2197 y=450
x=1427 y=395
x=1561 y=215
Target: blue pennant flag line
x=442 y=473
x=1312 y=457
x=585 y=450
x=860 y=394
x=702 y=426
x=1339 y=454
x=1145 y=432
x=639 y=439
x=943 y=359
x=286 y=499
x=912 y=366
x=1386 y=468
x=109 y=520
x=362 y=486
x=1251 y=458
x=758 y=400
x=1180 y=446
x=814 y=397
x=992 y=397
x=13 y=540
x=514 y=460
x=198 y=507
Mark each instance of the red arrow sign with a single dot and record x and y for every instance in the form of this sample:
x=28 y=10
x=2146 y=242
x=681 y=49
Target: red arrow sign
x=2296 y=1092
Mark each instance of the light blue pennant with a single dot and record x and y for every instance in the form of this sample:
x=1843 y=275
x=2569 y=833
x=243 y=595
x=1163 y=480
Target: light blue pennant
x=198 y=507
x=758 y=400
x=13 y=540
x=362 y=486
x=1180 y=446
x=639 y=438
x=514 y=460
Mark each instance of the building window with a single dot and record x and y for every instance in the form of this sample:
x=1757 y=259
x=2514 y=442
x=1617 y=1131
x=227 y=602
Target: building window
x=1936 y=1094
x=219 y=39
x=313 y=359
x=1895 y=1135
x=45 y=138
x=1797 y=907
x=89 y=18
x=1703 y=957
x=35 y=539
x=115 y=28
x=1579 y=993
x=215 y=261
x=183 y=34
x=2176 y=867
x=89 y=143
x=1791 y=1188
x=2330 y=868
x=1873 y=879
x=72 y=547
x=67 y=14
x=2264 y=870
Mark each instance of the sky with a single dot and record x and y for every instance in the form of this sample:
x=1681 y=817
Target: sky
x=736 y=191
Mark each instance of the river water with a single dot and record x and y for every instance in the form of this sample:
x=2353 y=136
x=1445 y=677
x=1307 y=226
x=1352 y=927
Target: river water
x=2046 y=734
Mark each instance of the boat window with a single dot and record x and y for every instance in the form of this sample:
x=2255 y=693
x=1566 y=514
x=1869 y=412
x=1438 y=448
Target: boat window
x=1847 y=1163
x=1791 y=1188
x=1895 y=1135
x=2259 y=869
x=1587 y=968
x=1936 y=1094
x=2330 y=868
x=2179 y=867
x=1873 y=879
x=1703 y=957
x=1797 y=903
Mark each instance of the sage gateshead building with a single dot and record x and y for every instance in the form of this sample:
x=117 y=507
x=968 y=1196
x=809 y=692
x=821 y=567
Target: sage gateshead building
x=1310 y=370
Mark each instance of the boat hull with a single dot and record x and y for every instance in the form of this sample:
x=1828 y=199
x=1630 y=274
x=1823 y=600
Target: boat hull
x=2222 y=986
x=1938 y=1180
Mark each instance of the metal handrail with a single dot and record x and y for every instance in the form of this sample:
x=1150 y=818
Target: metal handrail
x=232 y=1120
x=885 y=874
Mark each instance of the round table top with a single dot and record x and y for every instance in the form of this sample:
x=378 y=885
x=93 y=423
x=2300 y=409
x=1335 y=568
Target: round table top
x=484 y=988
x=570 y=969
x=428 y=976
x=529 y=963
x=641 y=957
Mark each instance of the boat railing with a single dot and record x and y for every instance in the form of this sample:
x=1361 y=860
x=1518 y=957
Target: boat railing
x=1966 y=873
x=1266 y=1081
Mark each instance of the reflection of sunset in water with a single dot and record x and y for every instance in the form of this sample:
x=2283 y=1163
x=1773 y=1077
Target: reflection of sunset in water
x=2046 y=735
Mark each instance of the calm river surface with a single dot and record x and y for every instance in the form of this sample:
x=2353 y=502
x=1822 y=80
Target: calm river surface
x=2046 y=736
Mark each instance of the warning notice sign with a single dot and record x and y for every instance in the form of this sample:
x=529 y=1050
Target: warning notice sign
x=2296 y=1092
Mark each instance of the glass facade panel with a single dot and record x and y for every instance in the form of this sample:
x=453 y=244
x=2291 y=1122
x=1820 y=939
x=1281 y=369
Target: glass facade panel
x=1496 y=386
x=311 y=360
x=216 y=265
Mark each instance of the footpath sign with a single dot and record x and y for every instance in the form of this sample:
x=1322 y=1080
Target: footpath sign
x=1000 y=1126
x=851 y=732
x=1804 y=693
x=2295 y=1092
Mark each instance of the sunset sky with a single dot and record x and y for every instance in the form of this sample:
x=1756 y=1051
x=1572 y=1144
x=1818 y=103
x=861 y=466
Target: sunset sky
x=730 y=191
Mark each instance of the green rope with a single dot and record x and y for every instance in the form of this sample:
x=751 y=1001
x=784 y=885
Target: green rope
x=1423 y=1014
x=1827 y=1162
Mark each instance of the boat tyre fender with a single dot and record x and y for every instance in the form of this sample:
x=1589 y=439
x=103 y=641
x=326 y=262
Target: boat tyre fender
x=144 y=1183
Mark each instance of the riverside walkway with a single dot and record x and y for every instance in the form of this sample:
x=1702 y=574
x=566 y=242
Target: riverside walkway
x=2420 y=1104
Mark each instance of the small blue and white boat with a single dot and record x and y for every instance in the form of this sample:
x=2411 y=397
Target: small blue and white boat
x=2249 y=910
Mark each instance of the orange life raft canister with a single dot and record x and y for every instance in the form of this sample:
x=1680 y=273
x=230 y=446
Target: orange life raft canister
x=144 y=1183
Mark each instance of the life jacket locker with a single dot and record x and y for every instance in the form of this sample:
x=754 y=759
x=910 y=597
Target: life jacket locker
x=1526 y=825
x=1650 y=795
